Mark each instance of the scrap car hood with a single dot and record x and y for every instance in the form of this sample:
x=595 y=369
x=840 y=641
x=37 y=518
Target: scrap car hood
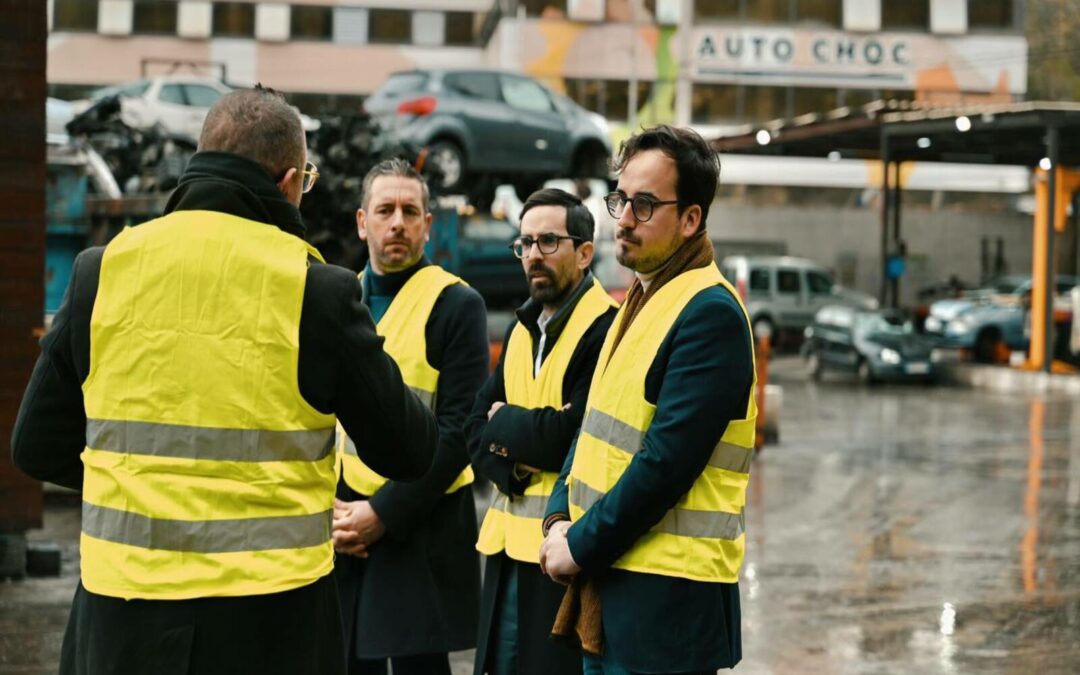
x=947 y=310
x=910 y=346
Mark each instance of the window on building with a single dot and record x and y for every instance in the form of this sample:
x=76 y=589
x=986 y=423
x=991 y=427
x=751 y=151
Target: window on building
x=824 y=12
x=75 y=15
x=644 y=97
x=586 y=93
x=548 y=9
x=716 y=9
x=905 y=14
x=390 y=25
x=234 y=19
x=768 y=11
x=460 y=28
x=814 y=100
x=665 y=12
x=311 y=23
x=993 y=14
x=854 y=98
x=897 y=95
x=714 y=103
x=616 y=103
x=762 y=104
x=154 y=18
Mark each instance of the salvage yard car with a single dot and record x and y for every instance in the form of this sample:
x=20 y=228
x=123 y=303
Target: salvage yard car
x=489 y=123
x=783 y=293
x=996 y=316
x=875 y=345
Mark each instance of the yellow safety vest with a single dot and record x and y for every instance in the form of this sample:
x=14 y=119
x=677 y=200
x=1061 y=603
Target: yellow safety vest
x=514 y=524
x=702 y=537
x=403 y=326
x=206 y=471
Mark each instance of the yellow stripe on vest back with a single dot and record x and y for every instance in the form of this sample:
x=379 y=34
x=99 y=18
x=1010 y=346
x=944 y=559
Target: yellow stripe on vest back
x=206 y=471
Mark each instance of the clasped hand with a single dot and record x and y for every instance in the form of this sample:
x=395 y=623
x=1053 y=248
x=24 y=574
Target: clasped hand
x=356 y=527
x=555 y=558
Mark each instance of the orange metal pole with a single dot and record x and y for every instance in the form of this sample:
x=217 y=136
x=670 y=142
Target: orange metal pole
x=1039 y=260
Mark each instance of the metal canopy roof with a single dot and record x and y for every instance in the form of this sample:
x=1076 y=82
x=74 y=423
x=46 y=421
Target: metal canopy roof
x=1006 y=133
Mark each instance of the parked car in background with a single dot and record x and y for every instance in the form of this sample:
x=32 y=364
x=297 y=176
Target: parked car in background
x=875 y=345
x=177 y=103
x=992 y=317
x=483 y=122
x=782 y=293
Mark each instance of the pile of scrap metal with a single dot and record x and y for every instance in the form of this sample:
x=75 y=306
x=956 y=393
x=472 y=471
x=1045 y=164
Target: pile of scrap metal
x=147 y=163
x=344 y=148
x=143 y=161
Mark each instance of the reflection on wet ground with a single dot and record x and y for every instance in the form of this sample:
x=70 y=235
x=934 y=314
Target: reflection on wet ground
x=914 y=529
x=894 y=530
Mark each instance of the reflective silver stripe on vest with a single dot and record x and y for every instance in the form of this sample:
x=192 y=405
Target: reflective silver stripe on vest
x=206 y=536
x=524 y=506
x=209 y=443
x=682 y=522
x=630 y=440
x=426 y=397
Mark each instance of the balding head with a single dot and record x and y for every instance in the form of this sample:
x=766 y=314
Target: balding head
x=257 y=124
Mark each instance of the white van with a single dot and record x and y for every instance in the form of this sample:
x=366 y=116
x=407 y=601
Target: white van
x=782 y=293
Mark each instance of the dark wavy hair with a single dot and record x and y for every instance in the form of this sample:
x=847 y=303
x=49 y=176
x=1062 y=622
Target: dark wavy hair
x=697 y=166
x=579 y=222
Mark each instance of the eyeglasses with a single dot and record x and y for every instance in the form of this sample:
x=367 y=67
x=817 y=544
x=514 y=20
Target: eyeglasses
x=311 y=174
x=641 y=205
x=548 y=243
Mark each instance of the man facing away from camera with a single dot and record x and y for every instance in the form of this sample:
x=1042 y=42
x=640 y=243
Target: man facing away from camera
x=189 y=386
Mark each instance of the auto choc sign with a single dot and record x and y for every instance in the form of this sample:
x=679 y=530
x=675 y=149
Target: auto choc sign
x=851 y=60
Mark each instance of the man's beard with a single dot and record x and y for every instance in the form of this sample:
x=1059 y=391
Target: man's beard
x=551 y=293
x=394 y=263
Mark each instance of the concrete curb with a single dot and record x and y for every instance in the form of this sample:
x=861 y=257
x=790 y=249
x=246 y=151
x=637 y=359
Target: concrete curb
x=1010 y=380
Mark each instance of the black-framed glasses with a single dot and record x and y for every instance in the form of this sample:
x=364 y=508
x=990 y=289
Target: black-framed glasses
x=642 y=205
x=548 y=243
x=310 y=174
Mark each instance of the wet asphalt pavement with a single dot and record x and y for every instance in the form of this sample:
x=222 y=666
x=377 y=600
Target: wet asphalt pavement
x=896 y=529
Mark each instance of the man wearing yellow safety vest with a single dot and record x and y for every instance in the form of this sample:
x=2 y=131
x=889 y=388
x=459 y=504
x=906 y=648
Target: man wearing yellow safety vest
x=648 y=522
x=409 y=576
x=521 y=428
x=198 y=367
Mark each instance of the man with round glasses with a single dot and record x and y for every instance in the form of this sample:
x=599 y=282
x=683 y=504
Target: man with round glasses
x=408 y=573
x=521 y=428
x=646 y=522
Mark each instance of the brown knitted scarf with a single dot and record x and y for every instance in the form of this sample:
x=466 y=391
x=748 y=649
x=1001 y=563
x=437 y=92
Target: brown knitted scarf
x=579 y=614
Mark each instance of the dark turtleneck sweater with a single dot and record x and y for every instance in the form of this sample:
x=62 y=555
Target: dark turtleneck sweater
x=342 y=367
x=457 y=347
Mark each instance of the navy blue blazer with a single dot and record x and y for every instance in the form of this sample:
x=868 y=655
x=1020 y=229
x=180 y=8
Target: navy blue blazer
x=699 y=381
